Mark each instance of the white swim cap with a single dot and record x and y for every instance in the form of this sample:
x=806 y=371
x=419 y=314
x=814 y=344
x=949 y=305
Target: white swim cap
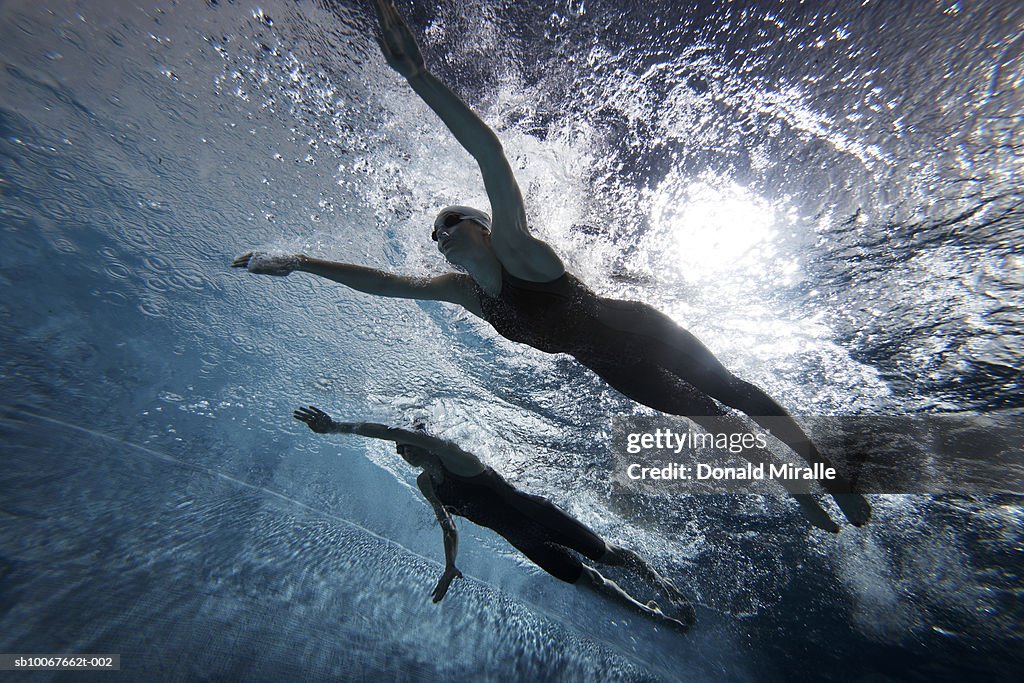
x=463 y=213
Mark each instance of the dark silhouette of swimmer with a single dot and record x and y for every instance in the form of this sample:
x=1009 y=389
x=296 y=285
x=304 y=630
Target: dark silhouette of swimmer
x=518 y=284
x=456 y=482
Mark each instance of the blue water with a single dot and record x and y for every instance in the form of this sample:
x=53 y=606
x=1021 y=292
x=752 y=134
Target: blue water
x=828 y=195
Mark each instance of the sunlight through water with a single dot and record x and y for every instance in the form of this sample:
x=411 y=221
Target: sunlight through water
x=716 y=228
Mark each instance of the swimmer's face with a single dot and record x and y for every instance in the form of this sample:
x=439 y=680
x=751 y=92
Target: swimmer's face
x=460 y=240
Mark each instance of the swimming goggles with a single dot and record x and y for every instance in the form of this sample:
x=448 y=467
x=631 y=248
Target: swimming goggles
x=448 y=220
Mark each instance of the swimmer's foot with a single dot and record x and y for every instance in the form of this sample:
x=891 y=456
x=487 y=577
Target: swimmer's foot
x=637 y=564
x=685 y=613
x=683 y=624
x=673 y=593
x=854 y=506
x=815 y=514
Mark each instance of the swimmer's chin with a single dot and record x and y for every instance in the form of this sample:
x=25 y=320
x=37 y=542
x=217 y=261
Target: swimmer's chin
x=458 y=267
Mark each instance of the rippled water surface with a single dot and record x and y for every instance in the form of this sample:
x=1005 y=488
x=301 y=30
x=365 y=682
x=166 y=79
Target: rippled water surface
x=827 y=194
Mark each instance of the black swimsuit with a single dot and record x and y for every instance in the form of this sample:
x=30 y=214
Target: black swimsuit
x=531 y=523
x=560 y=316
x=546 y=315
x=625 y=342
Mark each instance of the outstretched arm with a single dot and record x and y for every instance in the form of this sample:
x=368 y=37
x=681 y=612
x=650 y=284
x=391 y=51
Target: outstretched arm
x=451 y=287
x=451 y=537
x=522 y=255
x=454 y=458
x=321 y=423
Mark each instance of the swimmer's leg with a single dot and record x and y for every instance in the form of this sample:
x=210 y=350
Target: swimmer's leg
x=562 y=564
x=592 y=579
x=662 y=390
x=762 y=409
x=617 y=556
x=812 y=510
x=680 y=352
x=670 y=346
x=565 y=531
x=664 y=342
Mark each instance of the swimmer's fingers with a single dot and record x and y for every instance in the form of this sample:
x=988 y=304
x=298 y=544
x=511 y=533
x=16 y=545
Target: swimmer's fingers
x=397 y=42
x=304 y=415
x=264 y=264
x=316 y=419
x=313 y=415
x=450 y=574
x=385 y=27
x=382 y=12
x=387 y=13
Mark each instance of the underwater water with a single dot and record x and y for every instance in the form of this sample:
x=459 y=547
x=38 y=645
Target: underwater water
x=827 y=194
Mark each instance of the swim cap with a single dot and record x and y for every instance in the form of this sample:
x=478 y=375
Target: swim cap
x=466 y=213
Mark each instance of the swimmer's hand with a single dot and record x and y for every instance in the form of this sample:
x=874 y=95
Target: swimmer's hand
x=317 y=420
x=397 y=43
x=451 y=572
x=264 y=264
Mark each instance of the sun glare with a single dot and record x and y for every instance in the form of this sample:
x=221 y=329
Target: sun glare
x=709 y=227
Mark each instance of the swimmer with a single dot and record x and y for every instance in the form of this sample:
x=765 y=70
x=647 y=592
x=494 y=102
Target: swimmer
x=518 y=284
x=456 y=482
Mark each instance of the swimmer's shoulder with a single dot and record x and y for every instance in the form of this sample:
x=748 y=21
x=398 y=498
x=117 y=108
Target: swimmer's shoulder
x=457 y=288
